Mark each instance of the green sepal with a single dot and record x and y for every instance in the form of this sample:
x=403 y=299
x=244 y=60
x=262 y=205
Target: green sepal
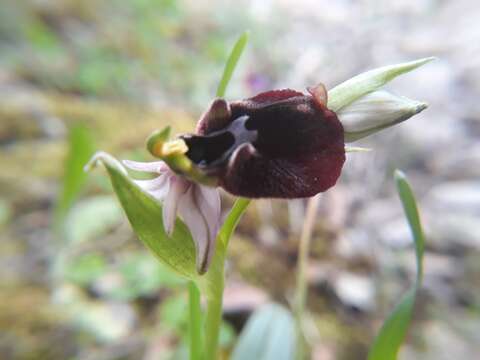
x=364 y=83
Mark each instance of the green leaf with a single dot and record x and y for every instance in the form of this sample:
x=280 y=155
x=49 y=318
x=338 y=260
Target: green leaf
x=91 y=218
x=391 y=335
x=83 y=270
x=362 y=84
x=232 y=220
x=268 y=335
x=41 y=37
x=173 y=314
x=145 y=216
x=232 y=63
x=81 y=148
x=141 y=275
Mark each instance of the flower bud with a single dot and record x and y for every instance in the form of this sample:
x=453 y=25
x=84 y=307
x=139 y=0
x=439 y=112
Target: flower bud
x=376 y=111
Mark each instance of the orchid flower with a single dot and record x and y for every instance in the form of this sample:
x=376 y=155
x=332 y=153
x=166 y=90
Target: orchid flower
x=277 y=144
x=283 y=143
x=198 y=205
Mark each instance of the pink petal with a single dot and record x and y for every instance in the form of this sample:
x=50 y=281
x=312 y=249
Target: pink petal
x=153 y=166
x=160 y=193
x=196 y=222
x=208 y=199
x=152 y=184
x=157 y=188
x=177 y=187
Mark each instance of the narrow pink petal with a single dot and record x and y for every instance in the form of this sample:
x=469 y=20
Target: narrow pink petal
x=152 y=184
x=160 y=193
x=196 y=222
x=208 y=200
x=153 y=166
x=157 y=188
x=177 y=187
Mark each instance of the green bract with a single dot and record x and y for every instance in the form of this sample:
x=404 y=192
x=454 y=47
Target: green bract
x=364 y=83
x=145 y=216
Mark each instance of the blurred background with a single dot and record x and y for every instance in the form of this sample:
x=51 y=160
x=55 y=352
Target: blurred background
x=77 y=76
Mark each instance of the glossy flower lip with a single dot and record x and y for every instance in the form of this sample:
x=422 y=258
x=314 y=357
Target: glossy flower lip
x=277 y=144
x=198 y=206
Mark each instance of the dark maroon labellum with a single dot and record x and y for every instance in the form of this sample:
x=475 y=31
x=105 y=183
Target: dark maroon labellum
x=278 y=144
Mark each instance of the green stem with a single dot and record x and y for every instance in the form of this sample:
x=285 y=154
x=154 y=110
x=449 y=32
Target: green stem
x=301 y=288
x=195 y=313
x=214 y=319
x=214 y=311
x=214 y=281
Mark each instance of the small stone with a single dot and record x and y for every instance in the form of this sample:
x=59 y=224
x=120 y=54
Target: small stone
x=355 y=290
x=241 y=297
x=456 y=196
x=396 y=234
x=354 y=243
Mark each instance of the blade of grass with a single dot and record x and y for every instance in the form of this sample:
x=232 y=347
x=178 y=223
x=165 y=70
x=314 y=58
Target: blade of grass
x=391 y=335
x=80 y=149
x=411 y=211
x=232 y=63
x=233 y=218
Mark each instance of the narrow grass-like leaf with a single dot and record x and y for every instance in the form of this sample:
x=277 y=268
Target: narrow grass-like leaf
x=393 y=331
x=80 y=149
x=232 y=63
x=145 y=216
x=268 y=335
x=231 y=221
x=411 y=211
x=364 y=83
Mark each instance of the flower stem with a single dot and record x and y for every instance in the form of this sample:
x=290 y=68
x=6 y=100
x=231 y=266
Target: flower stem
x=301 y=287
x=214 y=316
x=214 y=281
x=195 y=314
